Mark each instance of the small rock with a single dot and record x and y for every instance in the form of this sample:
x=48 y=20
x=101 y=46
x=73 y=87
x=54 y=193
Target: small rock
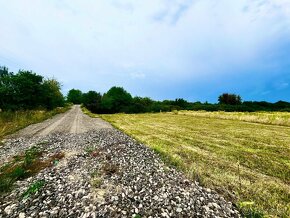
x=21 y=215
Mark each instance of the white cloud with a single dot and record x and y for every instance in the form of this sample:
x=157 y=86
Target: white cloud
x=108 y=40
x=137 y=75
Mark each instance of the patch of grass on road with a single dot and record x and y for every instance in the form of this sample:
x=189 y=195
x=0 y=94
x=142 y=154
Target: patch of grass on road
x=25 y=165
x=11 y=122
x=33 y=188
x=244 y=161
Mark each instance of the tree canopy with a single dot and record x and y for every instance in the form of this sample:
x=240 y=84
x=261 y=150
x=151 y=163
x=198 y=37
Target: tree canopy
x=117 y=99
x=92 y=101
x=231 y=99
x=28 y=90
x=75 y=96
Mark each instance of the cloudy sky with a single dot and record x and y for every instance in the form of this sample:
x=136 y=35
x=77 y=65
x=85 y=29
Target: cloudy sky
x=164 y=49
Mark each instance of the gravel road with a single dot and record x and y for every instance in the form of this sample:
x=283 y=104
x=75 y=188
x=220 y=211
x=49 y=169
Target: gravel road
x=104 y=173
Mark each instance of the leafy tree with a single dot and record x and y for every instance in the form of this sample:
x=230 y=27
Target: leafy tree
x=27 y=90
x=92 y=101
x=117 y=99
x=52 y=96
x=6 y=88
x=75 y=96
x=231 y=99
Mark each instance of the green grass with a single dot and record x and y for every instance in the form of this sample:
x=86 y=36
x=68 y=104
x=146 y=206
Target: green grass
x=20 y=167
x=33 y=188
x=244 y=161
x=11 y=122
x=23 y=166
x=87 y=112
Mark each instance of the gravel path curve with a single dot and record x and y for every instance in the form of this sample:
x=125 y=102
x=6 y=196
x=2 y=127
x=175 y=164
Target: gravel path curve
x=104 y=173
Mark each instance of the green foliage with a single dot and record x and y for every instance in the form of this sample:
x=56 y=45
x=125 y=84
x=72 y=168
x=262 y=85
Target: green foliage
x=30 y=155
x=75 y=96
x=90 y=149
x=248 y=210
x=231 y=99
x=52 y=95
x=5 y=183
x=116 y=100
x=18 y=173
x=21 y=167
x=92 y=101
x=33 y=188
x=27 y=90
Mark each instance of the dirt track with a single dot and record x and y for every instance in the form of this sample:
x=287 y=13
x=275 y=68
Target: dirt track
x=73 y=121
x=103 y=173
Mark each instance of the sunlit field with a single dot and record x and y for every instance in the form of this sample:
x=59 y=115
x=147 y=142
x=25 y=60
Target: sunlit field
x=275 y=118
x=244 y=156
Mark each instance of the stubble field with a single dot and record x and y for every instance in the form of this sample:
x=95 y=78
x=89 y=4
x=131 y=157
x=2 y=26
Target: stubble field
x=244 y=156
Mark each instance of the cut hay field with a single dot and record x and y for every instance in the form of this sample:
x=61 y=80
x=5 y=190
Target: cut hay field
x=239 y=155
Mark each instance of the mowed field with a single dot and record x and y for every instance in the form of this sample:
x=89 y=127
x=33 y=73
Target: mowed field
x=244 y=156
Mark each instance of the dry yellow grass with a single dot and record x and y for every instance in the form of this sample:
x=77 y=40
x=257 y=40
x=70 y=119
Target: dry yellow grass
x=10 y=122
x=275 y=118
x=245 y=161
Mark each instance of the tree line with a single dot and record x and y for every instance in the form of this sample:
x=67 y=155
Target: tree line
x=118 y=100
x=27 y=90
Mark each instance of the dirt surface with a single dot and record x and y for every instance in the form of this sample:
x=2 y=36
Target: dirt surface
x=102 y=173
x=73 y=121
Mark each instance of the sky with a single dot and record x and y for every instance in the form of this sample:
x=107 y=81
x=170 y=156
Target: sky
x=163 y=49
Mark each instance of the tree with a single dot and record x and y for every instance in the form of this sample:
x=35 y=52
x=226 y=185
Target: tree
x=140 y=105
x=92 y=101
x=52 y=96
x=181 y=103
x=231 y=99
x=117 y=99
x=75 y=96
x=6 y=88
x=27 y=90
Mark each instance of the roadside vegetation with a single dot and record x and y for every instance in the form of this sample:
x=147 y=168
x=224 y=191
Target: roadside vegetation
x=118 y=100
x=247 y=162
x=27 y=90
x=23 y=166
x=12 y=121
x=27 y=98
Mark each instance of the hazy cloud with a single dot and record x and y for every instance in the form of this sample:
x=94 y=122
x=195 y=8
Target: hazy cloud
x=200 y=47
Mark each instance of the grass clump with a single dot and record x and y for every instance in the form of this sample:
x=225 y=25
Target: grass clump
x=245 y=161
x=33 y=188
x=96 y=182
x=23 y=166
x=248 y=210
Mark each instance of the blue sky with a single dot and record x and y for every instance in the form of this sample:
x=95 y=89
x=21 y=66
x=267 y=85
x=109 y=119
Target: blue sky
x=164 y=49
